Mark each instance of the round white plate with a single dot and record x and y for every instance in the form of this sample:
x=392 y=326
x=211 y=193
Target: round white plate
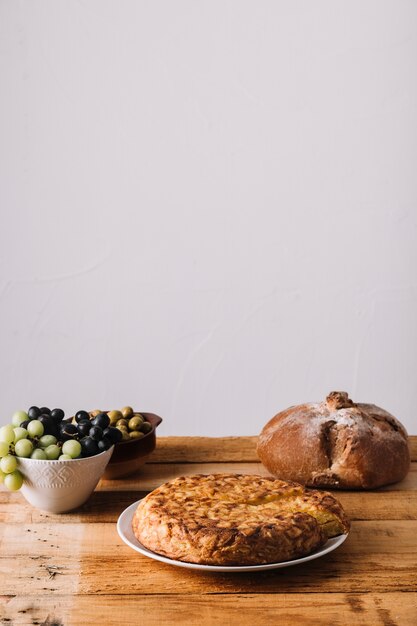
x=124 y=528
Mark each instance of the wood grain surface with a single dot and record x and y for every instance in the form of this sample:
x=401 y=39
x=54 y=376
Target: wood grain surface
x=70 y=569
x=213 y=449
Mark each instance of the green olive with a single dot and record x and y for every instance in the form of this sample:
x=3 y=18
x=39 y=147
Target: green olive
x=146 y=427
x=126 y=436
x=127 y=411
x=122 y=422
x=114 y=417
x=135 y=434
x=95 y=412
x=135 y=422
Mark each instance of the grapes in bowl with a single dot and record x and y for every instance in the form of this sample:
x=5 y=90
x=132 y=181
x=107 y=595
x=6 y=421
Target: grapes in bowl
x=56 y=466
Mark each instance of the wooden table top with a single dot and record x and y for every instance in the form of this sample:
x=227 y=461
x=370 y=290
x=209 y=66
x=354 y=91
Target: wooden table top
x=70 y=569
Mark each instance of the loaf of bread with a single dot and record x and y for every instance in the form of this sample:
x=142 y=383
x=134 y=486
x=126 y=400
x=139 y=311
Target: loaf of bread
x=335 y=443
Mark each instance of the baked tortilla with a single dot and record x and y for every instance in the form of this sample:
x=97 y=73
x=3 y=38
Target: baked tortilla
x=236 y=519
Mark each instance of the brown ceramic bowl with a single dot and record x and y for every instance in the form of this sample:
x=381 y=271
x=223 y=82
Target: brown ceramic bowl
x=129 y=456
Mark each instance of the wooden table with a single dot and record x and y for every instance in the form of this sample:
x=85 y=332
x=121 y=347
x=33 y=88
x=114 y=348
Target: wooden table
x=64 y=570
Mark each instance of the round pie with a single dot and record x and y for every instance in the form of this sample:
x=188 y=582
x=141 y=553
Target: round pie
x=236 y=519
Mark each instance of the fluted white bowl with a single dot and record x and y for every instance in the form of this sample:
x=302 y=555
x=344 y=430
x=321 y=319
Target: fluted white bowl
x=61 y=486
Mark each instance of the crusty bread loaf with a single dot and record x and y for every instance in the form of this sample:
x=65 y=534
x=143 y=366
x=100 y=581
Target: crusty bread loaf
x=335 y=443
x=236 y=519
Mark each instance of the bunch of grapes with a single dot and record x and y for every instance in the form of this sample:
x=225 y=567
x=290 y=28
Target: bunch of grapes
x=43 y=434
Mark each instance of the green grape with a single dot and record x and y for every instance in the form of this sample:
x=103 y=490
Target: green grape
x=72 y=448
x=38 y=454
x=7 y=433
x=35 y=428
x=20 y=433
x=2 y=476
x=65 y=457
x=19 y=417
x=14 y=481
x=23 y=448
x=47 y=440
x=4 y=448
x=8 y=464
x=52 y=452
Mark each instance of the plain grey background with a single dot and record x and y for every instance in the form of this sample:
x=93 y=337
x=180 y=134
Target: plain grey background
x=208 y=207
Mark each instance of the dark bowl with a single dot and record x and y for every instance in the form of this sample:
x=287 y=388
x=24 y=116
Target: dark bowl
x=129 y=456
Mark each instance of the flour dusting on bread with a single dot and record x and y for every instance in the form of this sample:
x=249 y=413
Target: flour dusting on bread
x=335 y=443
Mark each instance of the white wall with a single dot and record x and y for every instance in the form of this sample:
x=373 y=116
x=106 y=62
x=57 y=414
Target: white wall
x=208 y=207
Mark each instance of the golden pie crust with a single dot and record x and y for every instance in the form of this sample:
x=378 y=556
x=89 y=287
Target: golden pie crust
x=236 y=519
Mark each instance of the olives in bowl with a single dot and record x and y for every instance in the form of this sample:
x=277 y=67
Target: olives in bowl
x=132 y=432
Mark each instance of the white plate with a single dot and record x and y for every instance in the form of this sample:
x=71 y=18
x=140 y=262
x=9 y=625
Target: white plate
x=124 y=528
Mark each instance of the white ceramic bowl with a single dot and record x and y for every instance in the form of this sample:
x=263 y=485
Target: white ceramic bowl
x=60 y=486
